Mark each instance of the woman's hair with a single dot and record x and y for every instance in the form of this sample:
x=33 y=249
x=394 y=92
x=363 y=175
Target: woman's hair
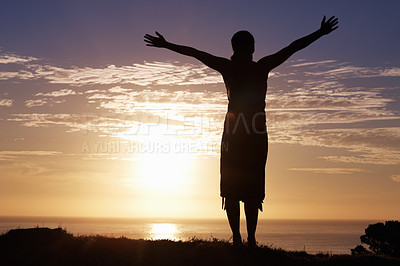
x=242 y=43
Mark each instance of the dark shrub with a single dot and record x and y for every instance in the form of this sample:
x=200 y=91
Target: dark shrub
x=382 y=238
x=360 y=250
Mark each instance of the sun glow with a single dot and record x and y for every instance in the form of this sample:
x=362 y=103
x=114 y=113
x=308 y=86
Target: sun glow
x=164 y=172
x=164 y=231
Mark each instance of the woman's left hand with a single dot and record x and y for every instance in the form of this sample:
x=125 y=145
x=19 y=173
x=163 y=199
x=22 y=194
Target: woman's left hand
x=329 y=25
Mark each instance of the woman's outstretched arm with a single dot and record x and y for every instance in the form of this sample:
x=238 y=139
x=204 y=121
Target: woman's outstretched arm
x=274 y=60
x=214 y=62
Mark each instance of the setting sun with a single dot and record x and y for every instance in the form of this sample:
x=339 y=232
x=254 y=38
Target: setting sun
x=165 y=173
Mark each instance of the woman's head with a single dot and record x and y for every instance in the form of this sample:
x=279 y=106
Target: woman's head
x=242 y=43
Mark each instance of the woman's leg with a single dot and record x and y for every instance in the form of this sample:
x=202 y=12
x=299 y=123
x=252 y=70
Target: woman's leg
x=233 y=213
x=251 y=211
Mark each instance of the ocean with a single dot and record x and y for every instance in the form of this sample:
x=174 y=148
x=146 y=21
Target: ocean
x=312 y=236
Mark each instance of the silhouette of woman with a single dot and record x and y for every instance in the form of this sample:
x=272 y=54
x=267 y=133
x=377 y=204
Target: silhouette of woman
x=244 y=144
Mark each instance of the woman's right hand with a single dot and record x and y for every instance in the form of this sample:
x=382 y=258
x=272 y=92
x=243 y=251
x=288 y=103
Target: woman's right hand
x=154 y=41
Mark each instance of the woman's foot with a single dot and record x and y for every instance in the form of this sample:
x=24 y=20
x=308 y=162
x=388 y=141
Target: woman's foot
x=237 y=241
x=251 y=242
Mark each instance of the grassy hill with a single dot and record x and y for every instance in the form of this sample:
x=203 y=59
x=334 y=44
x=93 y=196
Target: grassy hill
x=44 y=246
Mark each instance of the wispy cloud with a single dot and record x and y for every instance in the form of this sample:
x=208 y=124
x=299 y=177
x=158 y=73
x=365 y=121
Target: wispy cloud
x=369 y=146
x=392 y=72
x=156 y=73
x=59 y=93
x=35 y=103
x=395 y=178
x=117 y=89
x=6 y=102
x=42 y=153
x=378 y=158
x=126 y=100
x=14 y=58
x=22 y=74
x=344 y=171
x=308 y=103
x=317 y=63
x=289 y=121
x=168 y=73
x=350 y=71
x=13 y=155
x=73 y=122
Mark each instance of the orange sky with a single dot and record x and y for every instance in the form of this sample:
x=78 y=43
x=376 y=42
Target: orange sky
x=136 y=133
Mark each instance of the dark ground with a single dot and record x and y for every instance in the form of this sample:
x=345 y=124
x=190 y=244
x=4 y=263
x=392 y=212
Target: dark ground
x=44 y=246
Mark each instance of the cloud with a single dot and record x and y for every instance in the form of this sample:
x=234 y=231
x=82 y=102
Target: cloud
x=13 y=58
x=303 y=121
x=27 y=153
x=22 y=74
x=168 y=73
x=142 y=74
x=335 y=98
x=344 y=171
x=59 y=93
x=369 y=146
x=311 y=101
x=48 y=98
x=392 y=72
x=106 y=125
x=35 y=103
x=155 y=73
x=395 y=178
x=133 y=100
x=13 y=155
x=308 y=103
x=94 y=91
x=350 y=71
x=381 y=158
x=47 y=120
x=317 y=63
x=118 y=89
x=6 y=102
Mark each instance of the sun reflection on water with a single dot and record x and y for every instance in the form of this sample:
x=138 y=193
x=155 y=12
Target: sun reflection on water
x=164 y=231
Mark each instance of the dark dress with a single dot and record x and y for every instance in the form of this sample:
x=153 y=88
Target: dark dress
x=244 y=143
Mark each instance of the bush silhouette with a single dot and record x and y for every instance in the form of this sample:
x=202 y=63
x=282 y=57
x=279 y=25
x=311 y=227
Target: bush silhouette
x=382 y=239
